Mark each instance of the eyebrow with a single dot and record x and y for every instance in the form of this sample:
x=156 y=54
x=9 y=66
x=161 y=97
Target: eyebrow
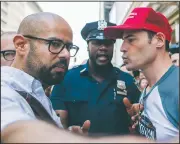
x=54 y=38
x=130 y=35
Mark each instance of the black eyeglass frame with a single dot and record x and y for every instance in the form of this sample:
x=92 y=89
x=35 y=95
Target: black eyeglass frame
x=68 y=46
x=4 y=51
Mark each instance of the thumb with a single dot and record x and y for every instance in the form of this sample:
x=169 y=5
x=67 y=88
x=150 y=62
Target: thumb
x=86 y=126
x=127 y=103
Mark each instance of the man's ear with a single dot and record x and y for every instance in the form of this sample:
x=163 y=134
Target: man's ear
x=20 y=44
x=160 y=39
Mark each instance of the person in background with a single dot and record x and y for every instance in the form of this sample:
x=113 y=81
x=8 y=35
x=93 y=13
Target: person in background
x=174 y=54
x=146 y=36
x=48 y=91
x=136 y=75
x=95 y=91
x=8 y=51
x=123 y=68
x=143 y=84
x=141 y=75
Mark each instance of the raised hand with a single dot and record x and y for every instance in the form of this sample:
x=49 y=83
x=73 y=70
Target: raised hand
x=81 y=130
x=133 y=111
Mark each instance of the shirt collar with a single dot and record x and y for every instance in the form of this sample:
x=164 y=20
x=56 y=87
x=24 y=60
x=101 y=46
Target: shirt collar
x=20 y=80
x=85 y=70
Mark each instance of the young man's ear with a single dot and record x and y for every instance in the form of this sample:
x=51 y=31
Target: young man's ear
x=160 y=39
x=20 y=44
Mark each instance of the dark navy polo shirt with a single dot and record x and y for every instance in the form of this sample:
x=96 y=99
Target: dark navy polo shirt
x=86 y=99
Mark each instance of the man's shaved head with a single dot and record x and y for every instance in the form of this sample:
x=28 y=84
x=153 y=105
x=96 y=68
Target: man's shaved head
x=39 y=23
x=38 y=34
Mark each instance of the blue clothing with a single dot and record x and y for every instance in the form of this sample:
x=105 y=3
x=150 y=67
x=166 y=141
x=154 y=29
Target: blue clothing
x=160 y=118
x=102 y=103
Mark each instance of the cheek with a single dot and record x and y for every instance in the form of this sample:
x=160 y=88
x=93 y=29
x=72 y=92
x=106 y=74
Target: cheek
x=135 y=54
x=92 y=51
x=5 y=63
x=111 y=49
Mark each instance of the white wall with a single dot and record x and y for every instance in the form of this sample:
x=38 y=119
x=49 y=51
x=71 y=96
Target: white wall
x=14 y=12
x=117 y=15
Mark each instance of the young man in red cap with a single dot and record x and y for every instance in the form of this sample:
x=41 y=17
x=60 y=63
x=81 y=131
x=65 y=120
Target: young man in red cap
x=146 y=35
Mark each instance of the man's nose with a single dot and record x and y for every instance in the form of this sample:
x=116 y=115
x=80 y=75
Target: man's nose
x=123 y=47
x=64 y=53
x=102 y=47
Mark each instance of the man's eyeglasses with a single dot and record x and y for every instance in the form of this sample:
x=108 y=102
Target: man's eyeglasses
x=56 y=46
x=8 y=54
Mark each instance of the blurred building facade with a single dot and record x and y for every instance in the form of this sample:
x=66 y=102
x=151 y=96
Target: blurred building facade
x=12 y=13
x=117 y=12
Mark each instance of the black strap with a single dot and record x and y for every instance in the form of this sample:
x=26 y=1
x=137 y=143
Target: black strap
x=38 y=109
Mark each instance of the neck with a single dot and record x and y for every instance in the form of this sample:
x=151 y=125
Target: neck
x=154 y=71
x=18 y=64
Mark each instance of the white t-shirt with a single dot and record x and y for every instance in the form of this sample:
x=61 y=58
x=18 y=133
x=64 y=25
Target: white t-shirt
x=160 y=117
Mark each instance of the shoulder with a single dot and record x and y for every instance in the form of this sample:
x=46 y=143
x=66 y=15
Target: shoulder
x=169 y=94
x=170 y=84
x=71 y=76
x=10 y=96
x=75 y=69
x=8 y=93
x=123 y=75
x=13 y=107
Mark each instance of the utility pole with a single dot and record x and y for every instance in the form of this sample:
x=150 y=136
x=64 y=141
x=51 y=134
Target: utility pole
x=101 y=10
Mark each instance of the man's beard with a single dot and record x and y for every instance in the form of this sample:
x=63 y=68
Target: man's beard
x=93 y=60
x=46 y=76
x=42 y=72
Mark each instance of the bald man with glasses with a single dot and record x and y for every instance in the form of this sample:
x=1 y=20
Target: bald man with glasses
x=8 y=51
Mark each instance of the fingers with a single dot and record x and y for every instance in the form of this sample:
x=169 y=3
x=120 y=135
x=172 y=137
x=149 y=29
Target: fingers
x=134 y=125
x=81 y=130
x=86 y=126
x=136 y=108
x=75 y=129
x=141 y=107
x=127 y=103
x=135 y=117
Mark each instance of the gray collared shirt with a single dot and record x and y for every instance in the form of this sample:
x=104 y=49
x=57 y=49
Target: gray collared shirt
x=13 y=106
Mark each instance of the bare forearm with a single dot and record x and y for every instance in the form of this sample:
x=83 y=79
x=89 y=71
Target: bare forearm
x=41 y=132
x=37 y=131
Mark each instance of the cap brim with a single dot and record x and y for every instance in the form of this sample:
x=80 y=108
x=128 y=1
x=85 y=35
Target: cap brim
x=117 y=31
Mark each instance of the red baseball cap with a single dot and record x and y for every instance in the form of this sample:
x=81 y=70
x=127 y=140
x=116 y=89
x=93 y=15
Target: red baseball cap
x=141 y=18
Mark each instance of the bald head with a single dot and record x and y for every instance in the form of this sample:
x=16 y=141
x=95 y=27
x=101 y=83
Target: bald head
x=42 y=46
x=41 y=22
